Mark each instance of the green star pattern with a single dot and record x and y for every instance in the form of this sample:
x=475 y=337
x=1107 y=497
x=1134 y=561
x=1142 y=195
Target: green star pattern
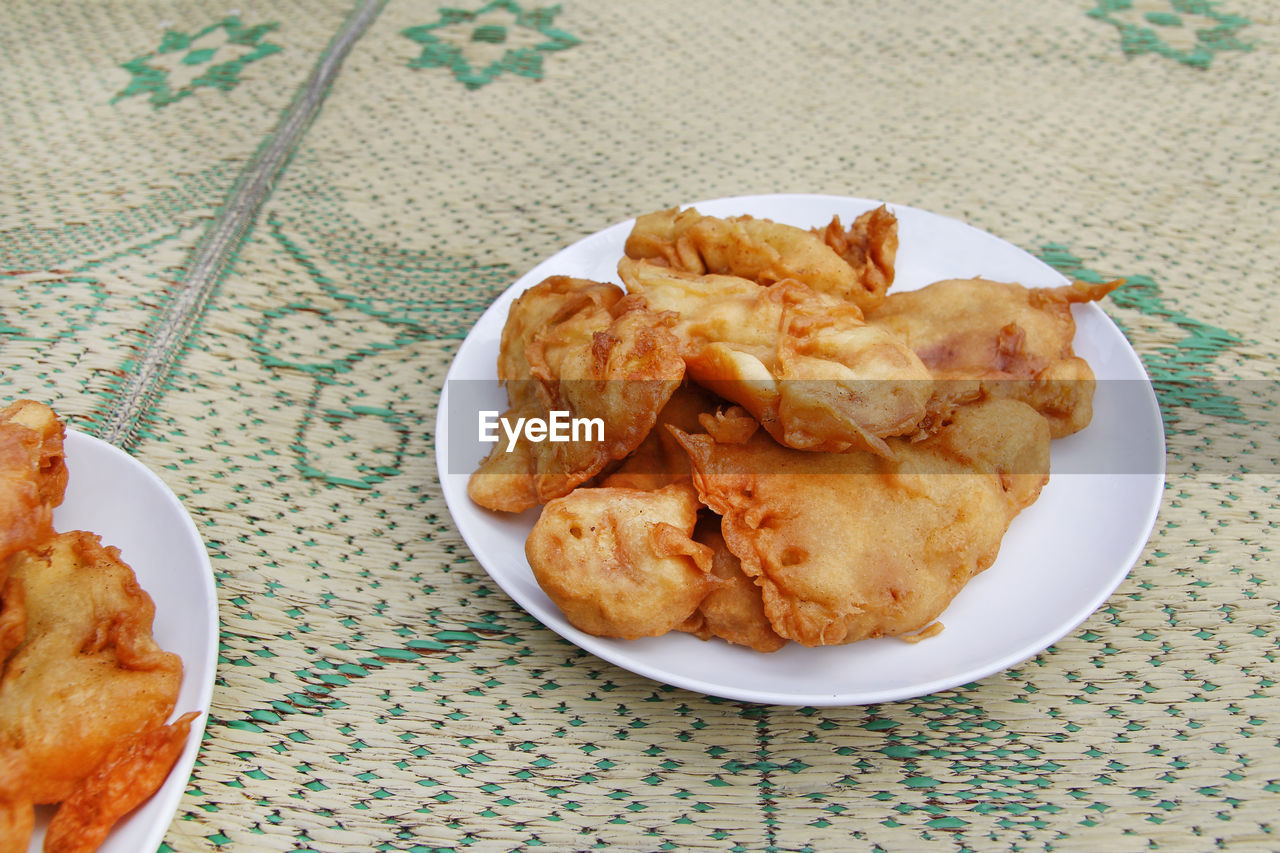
x=155 y=83
x=440 y=47
x=1137 y=39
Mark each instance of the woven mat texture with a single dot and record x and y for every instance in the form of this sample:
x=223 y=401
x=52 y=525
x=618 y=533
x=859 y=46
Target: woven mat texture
x=376 y=690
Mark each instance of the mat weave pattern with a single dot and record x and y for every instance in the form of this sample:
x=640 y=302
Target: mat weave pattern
x=376 y=690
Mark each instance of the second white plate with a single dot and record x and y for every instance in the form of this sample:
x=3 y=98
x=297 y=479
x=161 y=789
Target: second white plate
x=114 y=495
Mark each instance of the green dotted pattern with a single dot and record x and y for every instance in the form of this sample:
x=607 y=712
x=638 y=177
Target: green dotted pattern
x=375 y=690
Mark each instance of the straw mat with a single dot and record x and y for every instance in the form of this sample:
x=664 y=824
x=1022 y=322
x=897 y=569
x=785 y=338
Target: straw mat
x=245 y=245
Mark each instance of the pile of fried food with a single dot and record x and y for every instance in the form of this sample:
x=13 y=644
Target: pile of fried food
x=84 y=688
x=791 y=451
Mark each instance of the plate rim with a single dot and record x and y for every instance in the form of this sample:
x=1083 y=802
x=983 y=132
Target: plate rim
x=607 y=648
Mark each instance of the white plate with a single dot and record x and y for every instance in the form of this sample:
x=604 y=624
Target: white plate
x=1060 y=560
x=112 y=494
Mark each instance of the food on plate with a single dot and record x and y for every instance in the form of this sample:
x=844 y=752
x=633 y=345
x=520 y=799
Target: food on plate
x=794 y=453
x=803 y=363
x=848 y=546
x=734 y=610
x=17 y=822
x=588 y=350
x=622 y=562
x=660 y=460
x=13 y=617
x=88 y=673
x=729 y=425
x=854 y=264
x=33 y=475
x=1010 y=340
x=84 y=688
x=870 y=246
x=128 y=775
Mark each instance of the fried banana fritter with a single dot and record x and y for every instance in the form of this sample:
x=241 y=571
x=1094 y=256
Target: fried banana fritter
x=622 y=562
x=1002 y=340
x=87 y=673
x=854 y=265
x=660 y=460
x=847 y=546
x=586 y=349
x=33 y=475
x=734 y=610
x=803 y=363
x=870 y=246
x=128 y=775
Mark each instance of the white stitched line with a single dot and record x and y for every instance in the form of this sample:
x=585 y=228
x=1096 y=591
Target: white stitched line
x=214 y=250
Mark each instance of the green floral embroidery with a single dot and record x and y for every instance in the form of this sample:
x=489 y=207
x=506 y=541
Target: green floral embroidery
x=353 y=321
x=212 y=57
x=496 y=38
x=1189 y=31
